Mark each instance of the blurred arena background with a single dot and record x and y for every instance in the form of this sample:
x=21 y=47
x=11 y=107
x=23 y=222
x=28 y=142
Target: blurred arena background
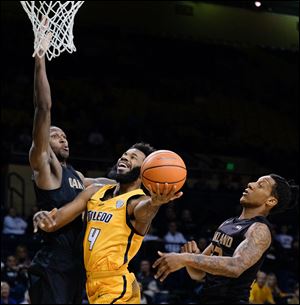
x=215 y=81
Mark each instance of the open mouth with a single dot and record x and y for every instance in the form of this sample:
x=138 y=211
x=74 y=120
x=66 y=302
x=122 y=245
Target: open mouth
x=123 y=165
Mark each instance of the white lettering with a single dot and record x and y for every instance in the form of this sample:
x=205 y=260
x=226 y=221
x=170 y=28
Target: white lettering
x=74 y=183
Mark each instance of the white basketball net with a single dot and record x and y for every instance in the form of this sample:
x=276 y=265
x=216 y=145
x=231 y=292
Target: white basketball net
x=52 y=23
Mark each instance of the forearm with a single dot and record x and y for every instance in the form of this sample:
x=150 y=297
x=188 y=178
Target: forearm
x=70 y=211
x=42 y=93
x=195 y=274
x=145 y=211
x=42 y=115
x=216 y=265
x=66 y=215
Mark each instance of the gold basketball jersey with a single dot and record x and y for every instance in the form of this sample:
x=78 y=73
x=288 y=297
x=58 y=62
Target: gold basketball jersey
x=110 y=240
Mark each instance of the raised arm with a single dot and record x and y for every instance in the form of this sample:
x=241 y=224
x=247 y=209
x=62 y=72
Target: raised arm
x=144 y=209
x=57 y=218
x=257 y=241
x=40 y=150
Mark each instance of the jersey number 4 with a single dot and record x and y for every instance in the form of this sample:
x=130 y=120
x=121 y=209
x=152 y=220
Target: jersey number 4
x=93 y=235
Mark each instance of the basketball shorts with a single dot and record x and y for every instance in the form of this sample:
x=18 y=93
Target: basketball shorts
x=115 y=289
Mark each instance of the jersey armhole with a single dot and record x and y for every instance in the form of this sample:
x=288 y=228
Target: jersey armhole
x=128 y=222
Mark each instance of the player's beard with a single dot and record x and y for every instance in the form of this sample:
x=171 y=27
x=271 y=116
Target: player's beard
x=129 y=177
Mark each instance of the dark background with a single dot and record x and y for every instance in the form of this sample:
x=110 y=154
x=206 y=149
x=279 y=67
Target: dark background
x=214 y=102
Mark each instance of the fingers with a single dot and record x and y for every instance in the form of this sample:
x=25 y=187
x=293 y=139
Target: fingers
x=195 y=248
x=190 y=247
x=184 y=248
x=44 y=37
x=157 y=189
x=53 y=212
x=157 y=262
x=164 y=275
x=163 y=193
x=35 y=227
x=177 y=196
x=162 y=272
x=170 y=192
x=163 y=268
x=150 y=189
x=173 y=190
x=44 y=220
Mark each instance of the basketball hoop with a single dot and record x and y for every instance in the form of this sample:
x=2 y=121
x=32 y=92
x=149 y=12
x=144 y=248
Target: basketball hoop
x=52 y=24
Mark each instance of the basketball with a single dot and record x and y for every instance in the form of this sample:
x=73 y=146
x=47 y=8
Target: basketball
x=163 y=166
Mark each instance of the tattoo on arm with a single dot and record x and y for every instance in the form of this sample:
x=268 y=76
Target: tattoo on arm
x=197 y=274
x=257 y=241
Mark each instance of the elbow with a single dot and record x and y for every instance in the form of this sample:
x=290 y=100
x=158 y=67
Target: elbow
x=237 y=272
x=237 y=267
x=231 y=273
x=198 y=278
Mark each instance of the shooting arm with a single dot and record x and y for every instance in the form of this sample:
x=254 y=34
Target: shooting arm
x=145 y=208
x=143 y=213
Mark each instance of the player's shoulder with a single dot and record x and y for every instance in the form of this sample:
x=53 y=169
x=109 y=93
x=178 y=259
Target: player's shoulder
x=259 y=230
x=257 y=225
x=81 y=176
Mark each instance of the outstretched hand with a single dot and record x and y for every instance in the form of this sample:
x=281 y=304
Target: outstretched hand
x=44 y=220
x=43 y=38
x=166 y=195
x=167 y=263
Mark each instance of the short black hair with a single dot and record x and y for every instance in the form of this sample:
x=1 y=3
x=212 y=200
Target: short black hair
x=145 y=148
x=286 y=192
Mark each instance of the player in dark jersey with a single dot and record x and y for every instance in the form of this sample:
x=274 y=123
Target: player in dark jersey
x=56 y=274
x=238 y=247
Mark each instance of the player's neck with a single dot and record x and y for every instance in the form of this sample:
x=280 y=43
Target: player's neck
x=63 y=163
x=251 y=213
x=123 y=188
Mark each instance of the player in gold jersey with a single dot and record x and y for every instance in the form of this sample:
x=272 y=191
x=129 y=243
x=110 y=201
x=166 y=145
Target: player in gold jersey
x=117 y=216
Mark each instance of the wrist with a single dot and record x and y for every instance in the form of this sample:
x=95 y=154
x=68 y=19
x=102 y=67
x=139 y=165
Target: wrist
x=39 y=61
x=182 y=259
x=189 y=259
x=154 y=203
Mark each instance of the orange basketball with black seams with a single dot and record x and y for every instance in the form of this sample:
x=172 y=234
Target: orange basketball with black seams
x=163 y=166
